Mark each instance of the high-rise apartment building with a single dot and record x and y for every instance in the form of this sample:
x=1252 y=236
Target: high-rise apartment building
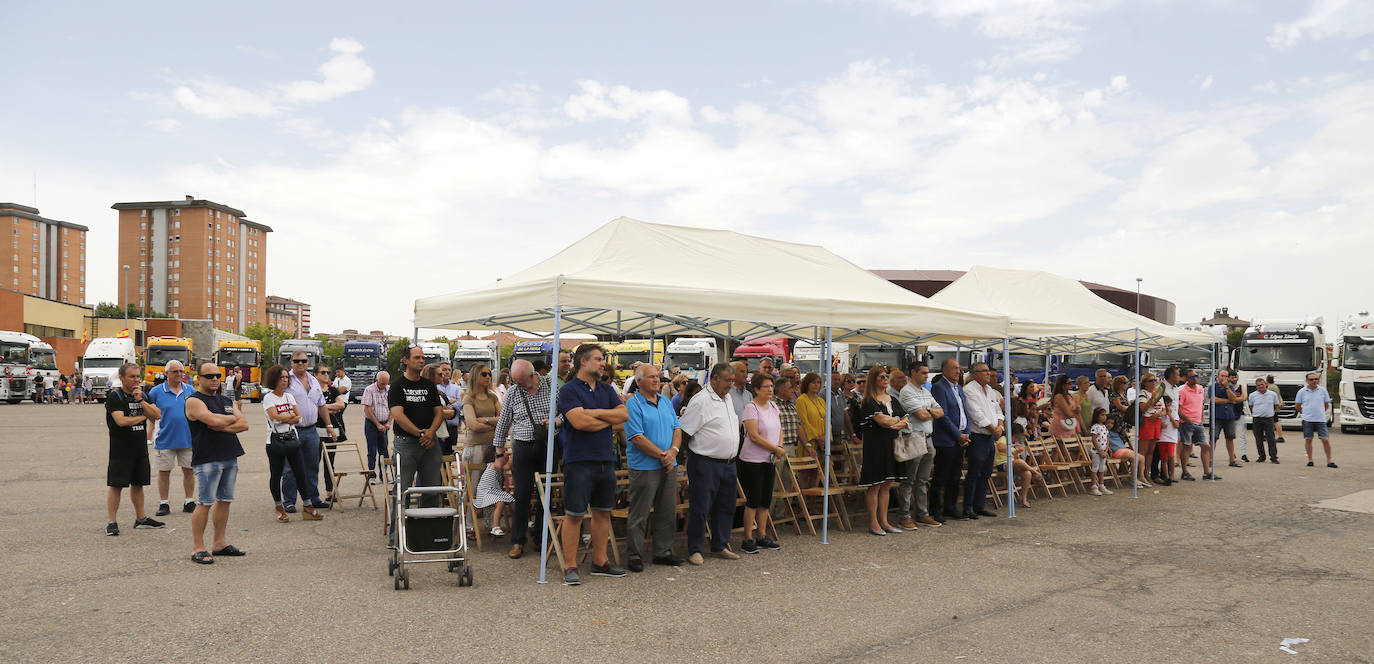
x=288 y=314
x=193 y=259
x=46 y=257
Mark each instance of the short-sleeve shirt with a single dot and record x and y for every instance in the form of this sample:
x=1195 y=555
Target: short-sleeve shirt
x=1224 y=411
x=587 y=445
x=1313 y=403
x=172 y=432
x=770 y=428
x=1190 y=403
x=653 y=421
x=454 y=392
x=119 y=401
x=1262 y=404
x=281 y=405
x=417 y=399
x=913 y=398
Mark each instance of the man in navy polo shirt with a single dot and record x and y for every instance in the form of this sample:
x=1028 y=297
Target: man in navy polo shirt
x=590 y=408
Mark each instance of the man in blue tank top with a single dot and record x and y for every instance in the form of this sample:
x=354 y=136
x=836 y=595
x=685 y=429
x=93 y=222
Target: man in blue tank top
x=215 y=450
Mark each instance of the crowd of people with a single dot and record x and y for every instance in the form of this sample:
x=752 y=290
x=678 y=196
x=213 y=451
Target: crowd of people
x=935 y=437
x=69 y=389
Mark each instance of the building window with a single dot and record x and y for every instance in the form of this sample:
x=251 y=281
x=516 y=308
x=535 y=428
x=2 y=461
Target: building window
x=142 y=213
x=176 y=212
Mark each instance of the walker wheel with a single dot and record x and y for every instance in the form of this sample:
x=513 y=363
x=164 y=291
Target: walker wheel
x=406 y=581
x=465 y=578
x=396 y=581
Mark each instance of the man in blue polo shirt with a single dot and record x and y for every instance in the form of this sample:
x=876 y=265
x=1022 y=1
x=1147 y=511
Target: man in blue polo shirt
x=1311 y=403
x=172 y=447
x=654 y=440
x=590 y=408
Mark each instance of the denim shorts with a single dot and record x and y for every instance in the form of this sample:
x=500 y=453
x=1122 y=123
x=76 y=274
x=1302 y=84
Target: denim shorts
x=1318 y=428
x=1190 y=433
x=588 y=484
x=215 y=481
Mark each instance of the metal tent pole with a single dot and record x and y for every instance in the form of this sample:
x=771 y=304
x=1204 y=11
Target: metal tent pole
x=1006 y=422
x=545 y=532
x=1212 y=408
x=829 y=432
x=1135 y=443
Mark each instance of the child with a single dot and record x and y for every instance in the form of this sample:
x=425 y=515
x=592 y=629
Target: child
x=489 y=492
x=1168 y=439
x=1023 y=470
x=1100 y=453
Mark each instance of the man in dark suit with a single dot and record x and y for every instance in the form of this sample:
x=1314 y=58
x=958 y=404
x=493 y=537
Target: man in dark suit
x=951 y=437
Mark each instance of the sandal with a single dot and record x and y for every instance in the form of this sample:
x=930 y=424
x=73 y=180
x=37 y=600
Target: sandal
x=282 y=516
x=202 y=557
x=230 y=550
x=312 y=514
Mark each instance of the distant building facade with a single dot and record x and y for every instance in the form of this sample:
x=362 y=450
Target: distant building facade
x=288 y=314
x=46 y=257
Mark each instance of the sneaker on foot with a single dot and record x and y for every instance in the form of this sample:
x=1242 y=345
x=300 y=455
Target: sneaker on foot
x=148 y=522
x=768 y=543
x=1309 y=464
x=908 y=524
x=1246 y=459
x=1095 y=491
x=609 y=570
x=290 y=509
x=1274 y=460
x=1188 y=477
x=749 y=547
x=163 y=509
x=188 y=506
x=112 y=529
x=1330 y=464
x=570 y=577
x=1105 y=490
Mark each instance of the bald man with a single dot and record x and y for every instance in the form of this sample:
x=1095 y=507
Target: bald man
x=172 y=447
x=523 y=413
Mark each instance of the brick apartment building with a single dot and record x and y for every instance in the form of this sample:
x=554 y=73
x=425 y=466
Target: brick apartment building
x=46 y=257
x=288 y=314
x=193 y=259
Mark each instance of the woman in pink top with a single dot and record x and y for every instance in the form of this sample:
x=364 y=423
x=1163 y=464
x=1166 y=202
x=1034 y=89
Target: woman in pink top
x=763 y=441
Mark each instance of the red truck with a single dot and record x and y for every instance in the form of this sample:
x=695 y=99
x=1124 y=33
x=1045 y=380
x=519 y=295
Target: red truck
x=753 y=351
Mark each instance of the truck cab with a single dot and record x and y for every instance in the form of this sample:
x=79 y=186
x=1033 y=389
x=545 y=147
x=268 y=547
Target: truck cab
x=102 y=360
x=868 y=356
x=42 y=362
x=435 y=352
x=15 y=372
x=1087 y=364
x=361 y=362
x=1357 y=374
x=935 y=356
x=753 y=351
x=808 y=356
x=534 y=350
x=247 y=357
x=159 y=351
x=624 y=354
x=472 y=352
x=313 y=348
x=1025 y=366
x=693 y=356
x=1287 y=349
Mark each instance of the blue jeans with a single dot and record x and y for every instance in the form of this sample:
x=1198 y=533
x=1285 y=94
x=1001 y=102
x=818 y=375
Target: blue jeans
x=711 y=485
x=980 y=454
x=376 y=444
x=215 y=481
x=310 y=454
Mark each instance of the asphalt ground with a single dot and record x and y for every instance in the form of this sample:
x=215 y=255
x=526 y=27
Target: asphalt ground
x=1197 y=572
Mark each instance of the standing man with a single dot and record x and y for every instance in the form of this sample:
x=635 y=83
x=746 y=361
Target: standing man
x=454 y=392
x=1225 y=412
x=524 y=411
x=591 y=408
x=87 y=383
x=655 y=438
x=711 y=476
x=1311 y=402
x=172 y=446
x=1239 y=406
x=1099 y=395
x=342 y=382
x=230 y=386
x=310 y=401
x=951 y=437
x=1268 y=379
x=417 y=412
x=565 y=372
x=126 y=416
x=376 y=420
x=215 y=450
x=987 y=424
x=1191 y=398
x=1264 y=402
x=913 y=500
x=739 y=389
x=785 y=398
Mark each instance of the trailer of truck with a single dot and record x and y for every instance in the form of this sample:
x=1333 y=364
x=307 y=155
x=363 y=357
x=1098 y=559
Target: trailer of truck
x=1357 y=374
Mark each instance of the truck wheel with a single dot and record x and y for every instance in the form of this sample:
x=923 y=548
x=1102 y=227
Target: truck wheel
x=16 y=401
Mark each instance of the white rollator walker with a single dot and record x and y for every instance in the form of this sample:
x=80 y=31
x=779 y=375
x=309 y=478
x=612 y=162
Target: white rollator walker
x=427 y=534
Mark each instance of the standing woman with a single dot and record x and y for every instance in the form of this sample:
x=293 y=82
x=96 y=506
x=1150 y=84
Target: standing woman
x=811 y=410
x=480 y=411
x=763 y=443
x=1063 y=409
x=282 y=416
x=1151 y=410
x=502 y=383
x=882 y=419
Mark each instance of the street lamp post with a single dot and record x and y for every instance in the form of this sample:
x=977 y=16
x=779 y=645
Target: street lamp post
x=1137 y=295
x=126 y=297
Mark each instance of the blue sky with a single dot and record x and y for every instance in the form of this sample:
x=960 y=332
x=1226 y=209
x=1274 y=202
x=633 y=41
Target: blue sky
x=1199 y=145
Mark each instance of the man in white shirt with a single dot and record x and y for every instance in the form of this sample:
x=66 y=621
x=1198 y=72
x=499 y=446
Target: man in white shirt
x=1100 y=394
x=711 y=478
x=986 y=423
x=1264 y=402
x=342 y=382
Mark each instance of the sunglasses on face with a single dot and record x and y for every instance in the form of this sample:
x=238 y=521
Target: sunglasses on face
x=299 y=361
x=210 y=376
x=485 y=374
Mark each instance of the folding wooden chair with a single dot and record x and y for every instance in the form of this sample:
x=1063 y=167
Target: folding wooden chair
x=1071 y=469
x=454 y=468
x=1078 y=452
x=997 y=486
x=329 y=451
x=554 y=526
x=1046 y=459
x=1033 y=461
x=789 y=490
x=836 y=492
x=387 y=468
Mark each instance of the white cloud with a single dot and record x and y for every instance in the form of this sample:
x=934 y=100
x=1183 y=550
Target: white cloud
x=1040 y=30
x=214 y=99
x=1206 y=83
x=1118 y=83
x=1326 y=19
x=168 y=125
x=599 y=101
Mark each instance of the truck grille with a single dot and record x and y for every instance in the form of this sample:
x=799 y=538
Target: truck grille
x=1289 y=393
x=1364 y=397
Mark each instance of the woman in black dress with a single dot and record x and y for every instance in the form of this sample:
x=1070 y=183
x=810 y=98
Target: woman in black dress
x=882 y=418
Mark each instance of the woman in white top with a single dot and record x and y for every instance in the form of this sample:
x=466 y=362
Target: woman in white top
x=282 y=416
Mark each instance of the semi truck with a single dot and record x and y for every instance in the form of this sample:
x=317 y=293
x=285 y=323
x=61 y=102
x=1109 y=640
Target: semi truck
x=1287 y=349
x=867 y=356
x=534 y=350
x=807 y=355
x=161 y=350
x=313 y=349
x=102 y=360
x=42 y=363
x=472 y=352
x=361 y=362
x=244 y=356
x=434 y=351
x=624 y=354
x=935 y=357
x=1357 y=374
x=693 y=356
x=754 y=351
x=16 y=382
x=1025 y=365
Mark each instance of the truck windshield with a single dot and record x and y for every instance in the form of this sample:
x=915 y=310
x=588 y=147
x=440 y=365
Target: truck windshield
x=807 y=366
x=14 y=353
x=1184 y=357
x=1359 y=354
x=1096 y=361
x=936 y=358
x=466 y=365
x=755 y=362
x=42 y=359
x=1285 y=357
x=160 y=355
x=686 y=361
x=432 y=358
x=531 y=356
x=872 y=358
x=1020 y=363
x=285 y=358
x=361 y=361
x=103 y=362
x=243 y=357
x=624 y=359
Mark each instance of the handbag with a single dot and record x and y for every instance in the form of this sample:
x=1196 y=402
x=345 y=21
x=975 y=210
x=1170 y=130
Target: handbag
x=910 y=445
x=1069 y=423
x=541 y=431
x=285 y=443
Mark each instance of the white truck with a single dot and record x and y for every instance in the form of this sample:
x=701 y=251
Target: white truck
x=42 y=362
x=434 y=351
x=313 y=349
x=102 y=360
x=1287 y=349
x=693 y=356
x=15 y=373
x=1357 y=374
x=808 y=357
x=472 y=352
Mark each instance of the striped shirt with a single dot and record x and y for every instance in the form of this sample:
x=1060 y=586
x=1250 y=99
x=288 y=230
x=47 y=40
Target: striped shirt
x=791 y=423
x=514 y=422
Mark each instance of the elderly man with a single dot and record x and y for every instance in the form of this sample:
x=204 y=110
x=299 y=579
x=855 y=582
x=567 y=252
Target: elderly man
x=565 y=372
x=711 y=477
x=785 y=398
x=655 y=438
x=417 y=412
x=913 y=502
x=453 y=392
x=987 y=423
x=305 y=388
x=739 y=389
x=376 y=419
x=1264 y=402
x=215 y=450
x=525 y=406
x=591 y=408
x=126 y=417
x=1100 y=394
x=766 y=368
x=951 y=437
x=173 y=445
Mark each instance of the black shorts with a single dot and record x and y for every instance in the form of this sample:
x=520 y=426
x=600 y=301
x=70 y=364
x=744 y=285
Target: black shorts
x=588 y=484
x=128 y=465
x=757 y=481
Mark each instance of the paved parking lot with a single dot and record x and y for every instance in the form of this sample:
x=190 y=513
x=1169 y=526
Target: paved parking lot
x=1196 y=572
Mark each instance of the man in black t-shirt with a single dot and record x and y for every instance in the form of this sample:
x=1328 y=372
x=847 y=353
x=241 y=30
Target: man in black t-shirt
x=126 y=416
x=416 y=412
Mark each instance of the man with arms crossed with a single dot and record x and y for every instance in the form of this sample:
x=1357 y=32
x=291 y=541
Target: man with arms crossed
x=215 y=450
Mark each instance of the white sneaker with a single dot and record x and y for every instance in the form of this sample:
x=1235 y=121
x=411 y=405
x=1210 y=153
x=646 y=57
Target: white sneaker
x=1096 y=491
x=1105 y=490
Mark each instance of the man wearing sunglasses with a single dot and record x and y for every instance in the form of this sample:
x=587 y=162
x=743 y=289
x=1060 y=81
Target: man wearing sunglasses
x=1190 y=432
x=1311 y=403
x=172 y=447
x=311 y=403
x=215 y=450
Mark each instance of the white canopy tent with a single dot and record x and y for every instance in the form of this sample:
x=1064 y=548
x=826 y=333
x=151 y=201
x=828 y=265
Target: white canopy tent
x=617 y=281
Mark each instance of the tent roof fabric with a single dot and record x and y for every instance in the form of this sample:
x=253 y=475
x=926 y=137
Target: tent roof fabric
x=727 y=284
x=1034 y=300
